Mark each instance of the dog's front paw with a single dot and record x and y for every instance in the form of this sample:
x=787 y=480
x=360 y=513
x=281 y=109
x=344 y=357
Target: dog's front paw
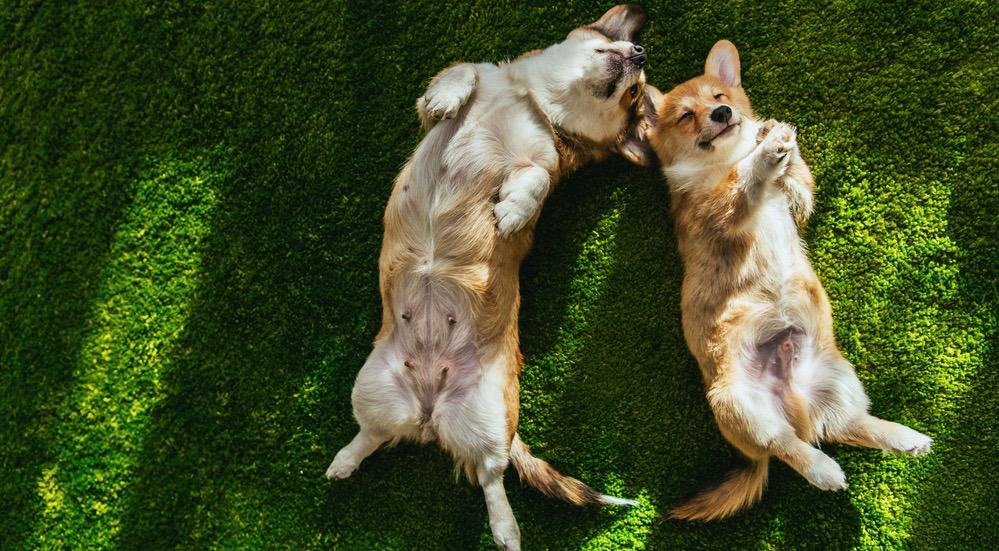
x=444 y=99
x=778 y=145
x=343 y=465
x=510 y=217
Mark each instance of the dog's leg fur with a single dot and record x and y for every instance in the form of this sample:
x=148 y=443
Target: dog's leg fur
x=520 y=197
x=476 y=433
x=768 y=162
x=506 y=533
x=842 y=415
x=736 y=198
x=348 y=458
x=373 y=410
x=798 y=186
x=759 y=427
x=446 y=94
x=872 y=432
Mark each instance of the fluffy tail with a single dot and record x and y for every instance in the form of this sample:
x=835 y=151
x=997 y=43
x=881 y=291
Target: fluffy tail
x=552 y=483
x=741 y=489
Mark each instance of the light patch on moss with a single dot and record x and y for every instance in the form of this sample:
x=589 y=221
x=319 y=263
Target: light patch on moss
x=630 y=529
x=52 y=495
x=150 y=278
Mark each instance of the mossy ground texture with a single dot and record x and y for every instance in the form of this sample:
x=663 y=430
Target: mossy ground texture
x=190 y=217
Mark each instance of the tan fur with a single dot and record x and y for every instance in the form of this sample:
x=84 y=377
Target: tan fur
x=742 y=487
x=543 y=477
x=446 y=363
x=755 y=315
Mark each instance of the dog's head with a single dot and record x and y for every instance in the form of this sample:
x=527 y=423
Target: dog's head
x=703 y=118
x=594 y=84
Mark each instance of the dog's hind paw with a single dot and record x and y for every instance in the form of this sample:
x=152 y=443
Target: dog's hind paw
x=507 y=535
x=825 y=473
x=341 y=467
x=910 y=442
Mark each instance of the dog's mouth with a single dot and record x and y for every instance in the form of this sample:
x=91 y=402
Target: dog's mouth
x=706 y=144
x=622 y=78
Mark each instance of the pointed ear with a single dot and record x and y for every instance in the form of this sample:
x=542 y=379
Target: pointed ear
x=638 y=152
x=623 y=22
x=723 y=63
x=652 y=102
x=636 y=147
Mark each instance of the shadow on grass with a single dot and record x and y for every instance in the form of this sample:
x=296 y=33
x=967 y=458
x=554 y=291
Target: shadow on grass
x=631 y=406
x=64 y=184
x=257 y=397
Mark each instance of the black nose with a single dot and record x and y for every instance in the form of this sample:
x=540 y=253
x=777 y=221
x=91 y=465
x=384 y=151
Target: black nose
x=721 y=114
x=638 y=56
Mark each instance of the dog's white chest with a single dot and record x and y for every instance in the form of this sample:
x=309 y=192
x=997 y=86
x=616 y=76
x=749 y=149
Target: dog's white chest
x=777 y=240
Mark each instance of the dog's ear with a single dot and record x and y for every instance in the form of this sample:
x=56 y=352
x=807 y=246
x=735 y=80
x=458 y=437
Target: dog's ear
x=638 y=152
x=623 y=22
x=636 y=147
x=652 y=101
x=723 y=63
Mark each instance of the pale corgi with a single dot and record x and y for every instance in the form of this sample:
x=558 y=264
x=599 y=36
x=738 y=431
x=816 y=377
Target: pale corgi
x=446 y=363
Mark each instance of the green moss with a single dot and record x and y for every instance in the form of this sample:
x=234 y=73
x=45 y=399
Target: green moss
x=183 y=320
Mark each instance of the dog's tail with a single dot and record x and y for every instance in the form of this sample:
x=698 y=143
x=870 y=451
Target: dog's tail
x=552 y=483
x=741 y=489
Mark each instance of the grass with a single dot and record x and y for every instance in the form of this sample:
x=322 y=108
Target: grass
x=190 y=217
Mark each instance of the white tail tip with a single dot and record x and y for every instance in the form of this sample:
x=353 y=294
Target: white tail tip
x=611 y=500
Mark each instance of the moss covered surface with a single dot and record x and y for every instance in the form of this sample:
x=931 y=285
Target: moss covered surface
x=190 y=217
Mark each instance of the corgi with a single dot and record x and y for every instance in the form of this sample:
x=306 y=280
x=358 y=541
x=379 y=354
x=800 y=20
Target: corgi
x=754 y=314
x=445 y=365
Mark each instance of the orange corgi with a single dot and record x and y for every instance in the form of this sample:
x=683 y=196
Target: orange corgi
x=755 y=316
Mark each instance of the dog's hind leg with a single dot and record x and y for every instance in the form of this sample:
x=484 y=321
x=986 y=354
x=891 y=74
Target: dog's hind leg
x=348 y=458
x=489 y=473
x=872 y=432
x=473 y=426
x=754 y=421
x=379 y=407
x=843 y=413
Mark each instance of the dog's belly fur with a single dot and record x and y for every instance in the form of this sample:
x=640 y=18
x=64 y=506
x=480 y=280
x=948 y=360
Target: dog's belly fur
x=449 y=280
x=769 y=320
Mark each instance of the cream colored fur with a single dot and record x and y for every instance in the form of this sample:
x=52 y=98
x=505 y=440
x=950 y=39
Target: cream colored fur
x=446 y=362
